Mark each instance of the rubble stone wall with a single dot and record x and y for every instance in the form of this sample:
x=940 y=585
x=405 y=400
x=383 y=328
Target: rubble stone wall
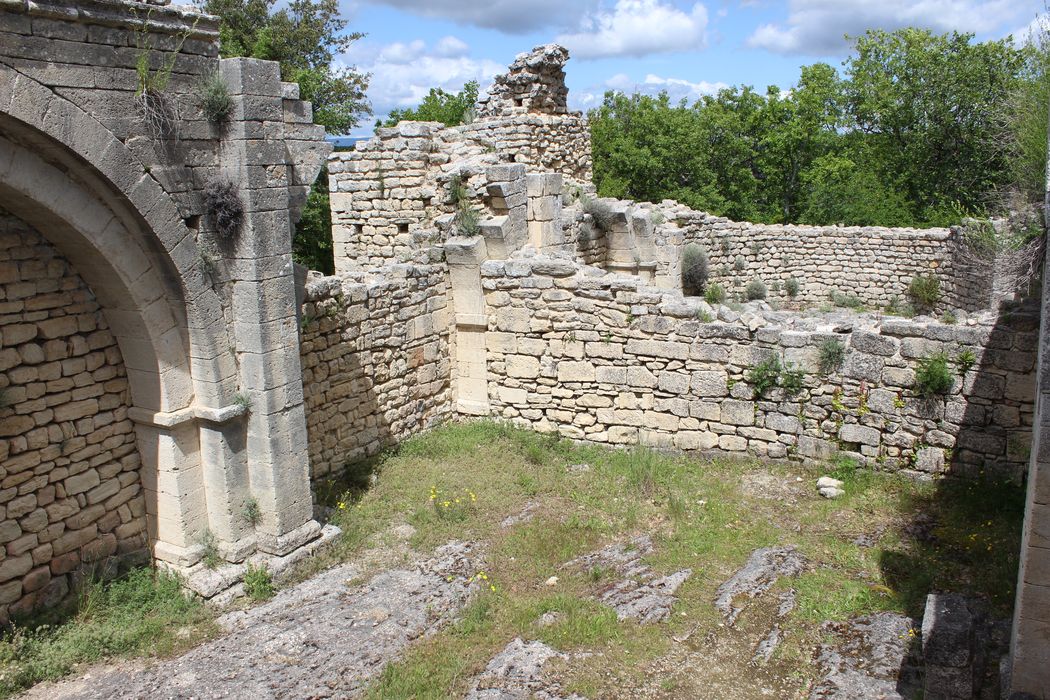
x=607 y=359
x=376 y=362
x=70 y=491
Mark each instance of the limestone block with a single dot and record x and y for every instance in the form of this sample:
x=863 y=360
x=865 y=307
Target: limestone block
x=852 y=432
x=735 y=412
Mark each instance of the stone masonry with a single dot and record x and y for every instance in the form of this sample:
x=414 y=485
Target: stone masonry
x=70 y=491
x=108 y=164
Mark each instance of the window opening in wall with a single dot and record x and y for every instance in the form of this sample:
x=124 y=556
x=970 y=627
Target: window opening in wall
x=402 y=228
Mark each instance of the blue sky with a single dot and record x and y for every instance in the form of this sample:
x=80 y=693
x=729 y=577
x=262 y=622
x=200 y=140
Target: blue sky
x=687 y=48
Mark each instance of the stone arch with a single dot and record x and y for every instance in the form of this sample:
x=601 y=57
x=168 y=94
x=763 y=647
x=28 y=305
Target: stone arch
x=44 y=121
x=100 y=208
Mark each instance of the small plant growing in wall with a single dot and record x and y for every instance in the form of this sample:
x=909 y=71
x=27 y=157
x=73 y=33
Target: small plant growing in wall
x=830 y=356
x=467 y=219
x=792 y=379
x=792 y=287
x=756 y=290
x=258 y=583
x=209 y=550
x=764 y=376
x=244 y=402
x=213 y=98
x=932 y=377
x=224 y=205
x=715 y=294
x=694 y=269
x=924 y=291
x=740 y=264
x=251 y=513
x=160 y=113
x=965 y=360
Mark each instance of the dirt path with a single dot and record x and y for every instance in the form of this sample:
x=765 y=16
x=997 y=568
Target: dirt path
x=323 y=638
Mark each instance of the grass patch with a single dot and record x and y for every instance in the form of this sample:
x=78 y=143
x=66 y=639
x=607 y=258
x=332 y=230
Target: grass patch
x=144 y=613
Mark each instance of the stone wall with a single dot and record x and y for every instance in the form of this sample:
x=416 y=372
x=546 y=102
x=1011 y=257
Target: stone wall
x=604 y=358
x=69 y=485
x=376 y=361
x=871 y=265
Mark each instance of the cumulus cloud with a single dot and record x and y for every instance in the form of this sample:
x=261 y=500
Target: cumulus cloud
x=817 y=27
x=511 y=16
x=676 y=88
x=1033 y=32
x=638 y=28
x=404 y=72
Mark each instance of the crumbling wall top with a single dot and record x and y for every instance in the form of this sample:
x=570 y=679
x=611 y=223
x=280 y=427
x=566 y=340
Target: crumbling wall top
x=535 y=83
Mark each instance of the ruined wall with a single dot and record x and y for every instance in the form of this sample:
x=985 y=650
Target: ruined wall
x=606 y=359
x=558 y=144
x=874 y=265
x=375 y=357
x=69 y=485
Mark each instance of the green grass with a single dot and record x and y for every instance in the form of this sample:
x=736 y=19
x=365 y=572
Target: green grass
x=143 y=614
x=707 y=515
x=698 y=515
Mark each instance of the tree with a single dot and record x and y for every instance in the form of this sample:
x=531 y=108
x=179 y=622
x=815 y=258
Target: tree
x=451 y=109
x=304 y=38
x=930 y=107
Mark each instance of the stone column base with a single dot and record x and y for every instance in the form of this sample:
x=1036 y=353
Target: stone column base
x=224 y=583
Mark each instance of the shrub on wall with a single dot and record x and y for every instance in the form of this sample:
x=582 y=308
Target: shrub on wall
x=830 y=356
x=214 y=99
x=224 y=204
x=764 y=376
x=924 y=291
x=792 y=287
x=694 y=270
x=715 y=293
x=933 y=378
x=756 y=289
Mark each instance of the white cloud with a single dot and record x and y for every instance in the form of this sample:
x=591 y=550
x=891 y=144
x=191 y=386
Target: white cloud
x=638 y=28
x=817 y=27
x=511 y=16
x=404 y=72
x=676 y=88
x=1033 y=32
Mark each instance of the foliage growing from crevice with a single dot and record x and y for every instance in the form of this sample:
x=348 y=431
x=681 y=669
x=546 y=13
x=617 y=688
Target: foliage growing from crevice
x=932 y=376
x=694 y=269
x=258 y=583
x=924 y=291
x=213 y=98
x=223 y=203
x=830 y=356
x=714 y=294
x=755 y=290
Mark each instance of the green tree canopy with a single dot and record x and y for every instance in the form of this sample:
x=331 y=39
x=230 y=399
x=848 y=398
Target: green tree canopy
x=451 y=109
x=305 y=37
x=920 y=129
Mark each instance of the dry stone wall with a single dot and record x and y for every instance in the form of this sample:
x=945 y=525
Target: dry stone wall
x=604 y=358
x=375 y=356
x=70 y=492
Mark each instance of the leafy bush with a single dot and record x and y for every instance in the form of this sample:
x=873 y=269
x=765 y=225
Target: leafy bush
x=739 y=264
x=933 y=377
x=715 y=294
x=468 y=221
x=965 y=360
x=924 y=291
x=258 y=583
x=831 y=355
x=756 y=289
x=694 y=269
x=601 y=212
x=792 y=287
x=846 y=301
x=792 y=379
x=224 y=204
x=764 y=376
x=214 y=99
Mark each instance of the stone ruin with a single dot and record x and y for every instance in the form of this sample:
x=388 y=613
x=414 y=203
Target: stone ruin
x=170 y=393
